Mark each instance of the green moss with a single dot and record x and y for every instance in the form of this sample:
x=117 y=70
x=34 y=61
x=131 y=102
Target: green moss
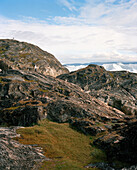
x=1 y=52
x=67 y=148
x=3 y=48
x=29 y=81
x=32 y=60
x=111 y=74
x=23 y=49
x=12 y=108
x=24 y=55
x=123 y=76
x=44 y=90
x=92 y=74
x=0 y=79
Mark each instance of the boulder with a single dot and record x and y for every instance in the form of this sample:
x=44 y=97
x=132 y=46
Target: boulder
x=21 y=116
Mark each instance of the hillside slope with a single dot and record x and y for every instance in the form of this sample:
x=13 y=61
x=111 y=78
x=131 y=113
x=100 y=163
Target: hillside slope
x=104 y=108
x=32 y=95
x=118 y=89
x=24 y=56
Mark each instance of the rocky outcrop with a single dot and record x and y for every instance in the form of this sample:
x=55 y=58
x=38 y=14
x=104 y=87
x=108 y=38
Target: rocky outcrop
x=106 y=166
x=27 y=97
x=117 y=89
x=21 y=115
x=14 y=155
x=93 y=100
x=121 y=143
x=27 y=57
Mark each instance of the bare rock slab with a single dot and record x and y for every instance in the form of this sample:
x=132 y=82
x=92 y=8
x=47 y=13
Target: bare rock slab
x=14 y=155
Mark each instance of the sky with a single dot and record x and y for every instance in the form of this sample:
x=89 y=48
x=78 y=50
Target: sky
x=74 y=31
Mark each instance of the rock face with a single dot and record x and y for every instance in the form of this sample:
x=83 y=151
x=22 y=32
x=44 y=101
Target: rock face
x=117 y=89
x=92 y=100
x=27 y=57
x=121 y=143
x=25 y=115
x=27 y=97
x=14 y=155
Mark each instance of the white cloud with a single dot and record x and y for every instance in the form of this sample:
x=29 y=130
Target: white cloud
x=102 y=32
x=110 y=12
x=68 y=4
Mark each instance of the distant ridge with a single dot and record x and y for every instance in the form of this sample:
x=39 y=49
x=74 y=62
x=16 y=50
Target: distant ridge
x=100 y=63
x=109 y=66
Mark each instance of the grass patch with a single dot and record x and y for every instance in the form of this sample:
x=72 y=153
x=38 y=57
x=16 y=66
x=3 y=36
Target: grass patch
x=12 y=108
x=111 y=74
x=1 y=80
x=44 y=90
x=67 y=148
x=24 y=55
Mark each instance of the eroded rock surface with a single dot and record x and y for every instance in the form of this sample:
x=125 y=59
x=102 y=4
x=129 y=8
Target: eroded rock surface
x=14 y=155
x=92 y=100
x=117 y=89
x=24 y=56
x=121 y=142
x=27 y=97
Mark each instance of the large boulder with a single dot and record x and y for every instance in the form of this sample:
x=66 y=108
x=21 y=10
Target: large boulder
x=21 y=116
x=64 y=110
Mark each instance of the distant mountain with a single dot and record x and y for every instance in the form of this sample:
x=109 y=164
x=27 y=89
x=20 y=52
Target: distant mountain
x=27 y=57
x=109 y=66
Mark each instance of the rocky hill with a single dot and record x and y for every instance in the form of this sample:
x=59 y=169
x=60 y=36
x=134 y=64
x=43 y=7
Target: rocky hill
x=117 y=89
x=24 y=56
x=92 y=100
x=27 y=97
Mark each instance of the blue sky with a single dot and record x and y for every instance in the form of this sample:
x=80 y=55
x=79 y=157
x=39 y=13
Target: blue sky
x=74 y=30
x=39 y=9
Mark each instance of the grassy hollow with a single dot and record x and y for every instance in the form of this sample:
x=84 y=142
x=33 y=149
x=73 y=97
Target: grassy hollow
x=67 y=148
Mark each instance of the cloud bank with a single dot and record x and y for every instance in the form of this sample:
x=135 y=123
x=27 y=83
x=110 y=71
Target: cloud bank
x=100 y=31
